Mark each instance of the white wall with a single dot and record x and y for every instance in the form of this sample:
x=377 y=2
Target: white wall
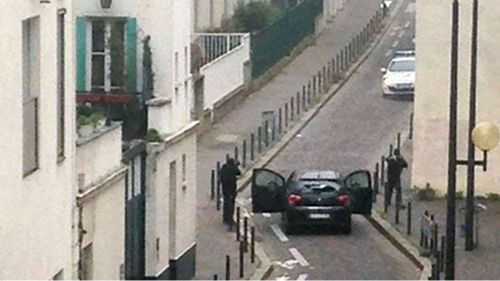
x=157 y=202
x=100 y=154
x=104 y=222
x=430 y=148
x=225 y=74
x=35 y=228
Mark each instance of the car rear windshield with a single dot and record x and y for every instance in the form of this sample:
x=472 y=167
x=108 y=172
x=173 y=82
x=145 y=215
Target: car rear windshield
x=402 y=65
x=319 y=185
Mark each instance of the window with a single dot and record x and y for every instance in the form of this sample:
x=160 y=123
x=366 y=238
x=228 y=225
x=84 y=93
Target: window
x=108 y=55
x=183 y=168
x=60 y=85
x=31 y=89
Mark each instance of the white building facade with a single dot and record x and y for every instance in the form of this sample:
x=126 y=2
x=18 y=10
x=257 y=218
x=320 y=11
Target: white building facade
x=431 y=108
x=38 y=238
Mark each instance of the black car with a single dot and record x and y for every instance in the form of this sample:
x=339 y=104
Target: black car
x=312 y=197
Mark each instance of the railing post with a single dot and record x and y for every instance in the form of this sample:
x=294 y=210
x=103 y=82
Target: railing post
x=304 y=102
x=242 y=259
x=252 y=244
x=238 y=220
x=245 y=233
x=337 y=65
x=273 y=129
x=382 y=172
x=314 y=85
x=391 y=149
x=399 y=141
x=292 y=111
x=324 y=79
x=236 y=154
x=397 y=208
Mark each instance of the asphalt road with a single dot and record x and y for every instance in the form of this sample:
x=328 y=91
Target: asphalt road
x=349 y=133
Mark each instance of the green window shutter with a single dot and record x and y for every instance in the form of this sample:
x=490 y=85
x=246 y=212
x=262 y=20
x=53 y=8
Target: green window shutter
x=131 y=46
x=81 y=54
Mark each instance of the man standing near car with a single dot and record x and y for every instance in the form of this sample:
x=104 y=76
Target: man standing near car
x=395 y=165
x=228 y=177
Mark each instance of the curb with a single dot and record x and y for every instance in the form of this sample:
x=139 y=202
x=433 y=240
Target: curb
x=401 y=243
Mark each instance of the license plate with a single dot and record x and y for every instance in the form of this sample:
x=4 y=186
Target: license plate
x=319 y=216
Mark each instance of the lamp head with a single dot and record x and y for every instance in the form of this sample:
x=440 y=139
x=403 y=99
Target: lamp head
x=485 y=136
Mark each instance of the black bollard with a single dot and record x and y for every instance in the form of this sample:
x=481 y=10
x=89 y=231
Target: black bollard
x=259 y=139
x=323 y=79
x=391 y=149
x=313 y=85
x=236 y=154
x=238 y=214
x=252 y=146
x=292 y=111
x=399 y=141
x=212 y=184
x=244 y=154
x=337 y=64
x=408 y=221
x=245 y=233
x=442 y=253
x=252 y=244
x=286 y=115
x=375 y=185
x=297 y=99
x=266 y=133
x=228 y=267
x=216 y=277
x=397 y=208
x=280 y=121
x=376 y=180
x=304 y=102
x=382 y=172
x=435 y=237
x=217 y=203
x=242 y=261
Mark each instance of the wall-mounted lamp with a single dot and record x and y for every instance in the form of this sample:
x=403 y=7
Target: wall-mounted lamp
x=106 y=4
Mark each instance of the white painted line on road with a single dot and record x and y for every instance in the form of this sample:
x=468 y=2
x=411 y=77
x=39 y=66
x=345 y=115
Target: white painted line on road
x=266 y=215
x=299 y=257
x=302 y=277
x=277 y=230
x=388 y=53
x=407 y=24
x=401 y=34
x=395 y=44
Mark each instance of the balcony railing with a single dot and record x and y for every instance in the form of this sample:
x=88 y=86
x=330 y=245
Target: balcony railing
x=210 y=46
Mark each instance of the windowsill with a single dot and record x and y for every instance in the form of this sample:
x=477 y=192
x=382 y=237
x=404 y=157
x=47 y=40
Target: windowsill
x=30 y=172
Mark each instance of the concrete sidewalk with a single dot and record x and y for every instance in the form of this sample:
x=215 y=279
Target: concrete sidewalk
x=482 y=262
x=214 y=242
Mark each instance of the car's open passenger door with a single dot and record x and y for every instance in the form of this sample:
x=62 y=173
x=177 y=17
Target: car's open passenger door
x=359 y=184
x=268 y=191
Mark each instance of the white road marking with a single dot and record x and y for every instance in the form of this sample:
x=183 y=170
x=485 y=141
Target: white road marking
x=395 y=44
x=266 y=215
x=277 y=230
x=407 y=24
x=302 y=277
x=401 y=34
x=388 y=53
x=299 y=257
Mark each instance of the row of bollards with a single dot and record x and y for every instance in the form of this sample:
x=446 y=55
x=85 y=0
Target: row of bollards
x=431 y=242
x=272 y=129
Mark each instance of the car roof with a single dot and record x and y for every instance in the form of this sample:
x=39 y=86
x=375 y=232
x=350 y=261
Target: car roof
x=403 y=59
x=319 y=175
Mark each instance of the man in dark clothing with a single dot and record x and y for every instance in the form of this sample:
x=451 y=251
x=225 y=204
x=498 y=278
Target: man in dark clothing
x=395 y=165
x=228 y=175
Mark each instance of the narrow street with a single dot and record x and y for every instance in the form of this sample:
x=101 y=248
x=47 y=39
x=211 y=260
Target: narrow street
x=349 y=133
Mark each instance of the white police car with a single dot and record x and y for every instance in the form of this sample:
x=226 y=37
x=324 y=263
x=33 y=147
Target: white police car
x=399 y=76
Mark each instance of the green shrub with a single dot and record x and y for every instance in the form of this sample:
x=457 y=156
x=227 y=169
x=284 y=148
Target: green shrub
x=152 y=135
x=255 y=16
x=425 y=194
x=493 y=196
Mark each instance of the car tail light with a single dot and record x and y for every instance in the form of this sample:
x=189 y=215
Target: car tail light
x=344 y=200
x=293 y=199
